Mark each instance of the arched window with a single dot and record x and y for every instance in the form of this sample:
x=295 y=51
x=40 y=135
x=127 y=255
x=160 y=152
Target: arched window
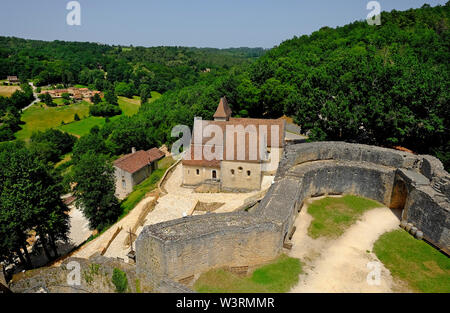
x=240 y=169
x=198 y=172
x=249 y=173
x=232 y=172
x=214 y=174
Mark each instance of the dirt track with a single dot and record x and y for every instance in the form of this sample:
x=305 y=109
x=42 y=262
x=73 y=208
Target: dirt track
x=340 y=265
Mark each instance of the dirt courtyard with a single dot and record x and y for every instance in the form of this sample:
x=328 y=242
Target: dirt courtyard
x=344 y=264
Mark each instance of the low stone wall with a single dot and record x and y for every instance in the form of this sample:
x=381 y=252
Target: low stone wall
x=95 y=277
x=181 y=248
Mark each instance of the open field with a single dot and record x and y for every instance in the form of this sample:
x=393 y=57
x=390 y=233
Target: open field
x=39 y=118
x=333 y=215
x=131 y=106
x=7 y=91
x=81 y=128
x=278 y=276
x=413 y=261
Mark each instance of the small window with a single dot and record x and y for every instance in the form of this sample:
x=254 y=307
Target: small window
x=124 y=183
x=214 y=174
x=249 y=173
x=232 y=172
x=240 y=169
x=198 y=172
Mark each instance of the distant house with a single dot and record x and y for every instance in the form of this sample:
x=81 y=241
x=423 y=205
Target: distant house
x=76 y=93
x=133 y=168
x=13 y=79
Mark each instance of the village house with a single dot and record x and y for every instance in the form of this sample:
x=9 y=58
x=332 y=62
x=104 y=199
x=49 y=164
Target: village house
x=256 y=147
x=76 y=93
x=13 y=79
x=133 y=168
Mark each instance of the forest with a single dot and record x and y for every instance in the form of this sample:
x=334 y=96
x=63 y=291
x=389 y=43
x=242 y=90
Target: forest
x=384 y=85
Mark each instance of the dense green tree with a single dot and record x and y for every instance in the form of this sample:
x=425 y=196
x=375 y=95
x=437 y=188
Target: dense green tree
x=124 y=89
x=96 y=99
x=111 y=98
x=95 y=188
x=146 y=93
x=51 y=144
x=47 y=99
x=66 y=96
x=29 y=200
x=104 y=109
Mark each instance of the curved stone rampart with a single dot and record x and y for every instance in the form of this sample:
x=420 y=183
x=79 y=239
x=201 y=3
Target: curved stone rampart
x=181 y=248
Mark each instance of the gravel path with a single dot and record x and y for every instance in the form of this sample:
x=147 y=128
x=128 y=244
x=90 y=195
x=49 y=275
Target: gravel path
x=341 y=265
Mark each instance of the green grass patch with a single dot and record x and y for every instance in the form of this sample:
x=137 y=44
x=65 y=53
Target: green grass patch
x=414 y=261
x=40 y=117
x=279 y=276
x=332 y=216
x=81 y=128
x=80 y=86
x=146 y=186
x=131 y=106
x=119 y=279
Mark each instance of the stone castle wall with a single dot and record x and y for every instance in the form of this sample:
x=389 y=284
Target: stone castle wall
x=181 y=248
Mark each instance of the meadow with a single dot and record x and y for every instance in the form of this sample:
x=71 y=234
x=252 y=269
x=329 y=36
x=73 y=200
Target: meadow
x=39 y=117
x=7 y=91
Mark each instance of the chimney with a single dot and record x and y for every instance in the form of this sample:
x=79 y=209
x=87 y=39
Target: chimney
x=133 y=150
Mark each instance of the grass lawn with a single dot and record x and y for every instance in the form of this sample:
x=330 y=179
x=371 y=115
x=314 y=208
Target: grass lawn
x=7 y=91
x=131 y=106
x=414 y=261
x=332 y=216
x=279 y=276
x=146 y=186
x=42 y=118
x=81 y=128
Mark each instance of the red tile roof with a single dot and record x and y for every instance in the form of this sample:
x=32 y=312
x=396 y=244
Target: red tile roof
x=133 y=162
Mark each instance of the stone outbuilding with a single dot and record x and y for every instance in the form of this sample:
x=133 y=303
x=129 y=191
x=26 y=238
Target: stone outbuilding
x=133 y=168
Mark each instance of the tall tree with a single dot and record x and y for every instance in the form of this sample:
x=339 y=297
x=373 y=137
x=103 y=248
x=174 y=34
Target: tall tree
x=95 y=188
x=146 y=93
x=29 y=200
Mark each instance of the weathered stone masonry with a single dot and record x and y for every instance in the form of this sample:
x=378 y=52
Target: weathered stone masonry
x=417 y=184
